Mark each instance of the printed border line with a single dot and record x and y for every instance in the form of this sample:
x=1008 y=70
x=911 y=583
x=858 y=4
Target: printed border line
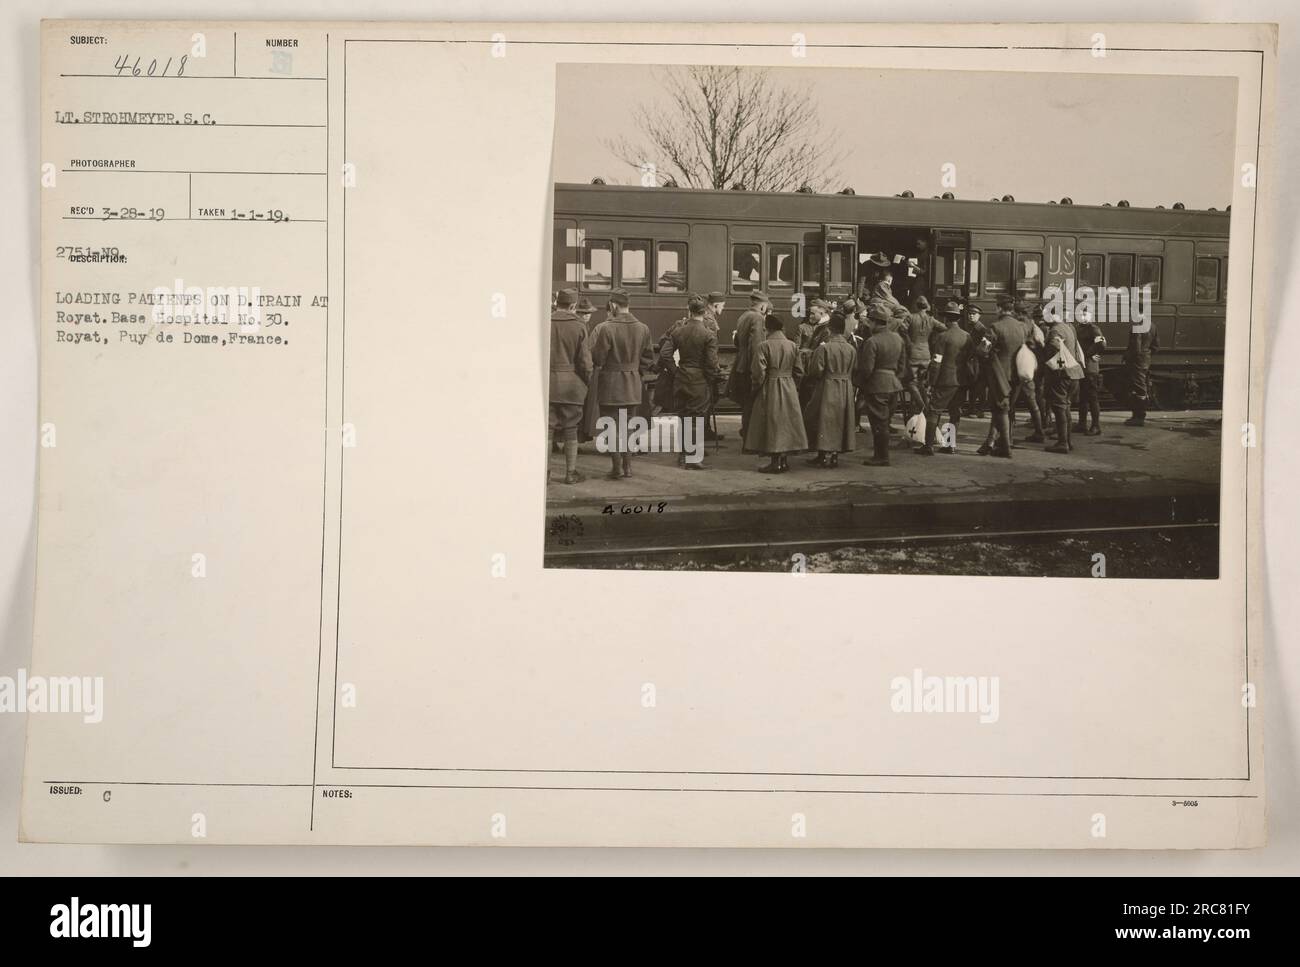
x=325 y=447
x=343 y=405
x=669 y=43
x=800 y=792
x=1250 y=351
x=343 y=409
x=806 y=775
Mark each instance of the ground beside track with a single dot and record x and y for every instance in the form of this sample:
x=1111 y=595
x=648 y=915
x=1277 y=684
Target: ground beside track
x=1183 y=552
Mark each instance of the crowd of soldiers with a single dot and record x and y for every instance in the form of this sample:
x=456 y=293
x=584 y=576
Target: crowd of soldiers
x=867 y=356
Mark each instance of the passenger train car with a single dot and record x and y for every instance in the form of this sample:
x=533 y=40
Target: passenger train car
x=661 y=243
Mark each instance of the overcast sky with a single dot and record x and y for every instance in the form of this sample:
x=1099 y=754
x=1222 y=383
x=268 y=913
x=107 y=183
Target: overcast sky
x=1094 y=137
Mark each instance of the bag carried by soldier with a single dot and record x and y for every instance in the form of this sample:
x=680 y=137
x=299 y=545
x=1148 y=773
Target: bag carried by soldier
x=1026 y=363
x=1066 y=361
x=916 y=428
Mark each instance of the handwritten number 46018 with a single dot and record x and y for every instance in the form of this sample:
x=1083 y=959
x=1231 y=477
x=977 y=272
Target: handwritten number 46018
x=138 y=67
x=636 y=508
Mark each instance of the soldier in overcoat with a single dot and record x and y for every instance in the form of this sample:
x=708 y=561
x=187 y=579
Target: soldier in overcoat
x=1137 y=365
x=813 y=331
x=882 y=363
x=570 y=374
x=590 y=409
x=749 y=334
x=1005 y=336
x=917 y=329
x=978 y=390
x=830 y=417
x=664 y=392
x=776 y=423
x=950 y=372
x=695 y=369
x=1060 y=381
x=621 y=347
x=1091 y=344
x=1028 y=390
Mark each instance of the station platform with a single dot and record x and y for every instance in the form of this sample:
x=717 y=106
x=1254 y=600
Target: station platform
x=1164 y=473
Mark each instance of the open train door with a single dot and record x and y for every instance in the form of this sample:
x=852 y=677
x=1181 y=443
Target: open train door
x=951 y=273
x=839 y=260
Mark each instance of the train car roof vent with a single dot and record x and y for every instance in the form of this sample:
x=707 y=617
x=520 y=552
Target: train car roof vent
x=1122 y=203
x=1211 y=209
x=1051 y=201
x=1179 y=206
x=847 y=191
x=1160 y=206
x=598 y=180
x=738 y=186
x=1067 y=200
x=669 y=182
x=906 y=193
x=1008 y=197
x=1228 y=209
x=805 y=189
x=948 y=196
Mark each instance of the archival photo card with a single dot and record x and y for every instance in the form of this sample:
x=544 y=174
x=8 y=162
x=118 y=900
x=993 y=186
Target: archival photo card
x=651 y=435
x=889 y=321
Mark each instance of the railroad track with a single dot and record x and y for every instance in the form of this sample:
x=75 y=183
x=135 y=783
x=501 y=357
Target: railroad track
x=709 y=555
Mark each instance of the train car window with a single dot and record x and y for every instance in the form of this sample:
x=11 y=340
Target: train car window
x=950 y=267
x=746 y=267
x=1119 y=271
x=597 y=263
x=974 y=271
x=1207 y=280
x=1149 y=274
x=812 y=268
x=671 y=265
x=780 y=266
x=839 y=267
x=1029 y=275
x=634 y=265
x=1223 y=279
x=997 y=268
x=1091 y=268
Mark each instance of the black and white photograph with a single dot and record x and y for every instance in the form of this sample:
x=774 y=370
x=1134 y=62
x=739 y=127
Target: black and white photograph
x=888 y=321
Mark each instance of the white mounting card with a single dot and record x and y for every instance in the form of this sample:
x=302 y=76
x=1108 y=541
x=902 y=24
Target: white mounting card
x=305 y=305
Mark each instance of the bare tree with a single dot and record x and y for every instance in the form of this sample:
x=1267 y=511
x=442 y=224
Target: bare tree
x=731 y=126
